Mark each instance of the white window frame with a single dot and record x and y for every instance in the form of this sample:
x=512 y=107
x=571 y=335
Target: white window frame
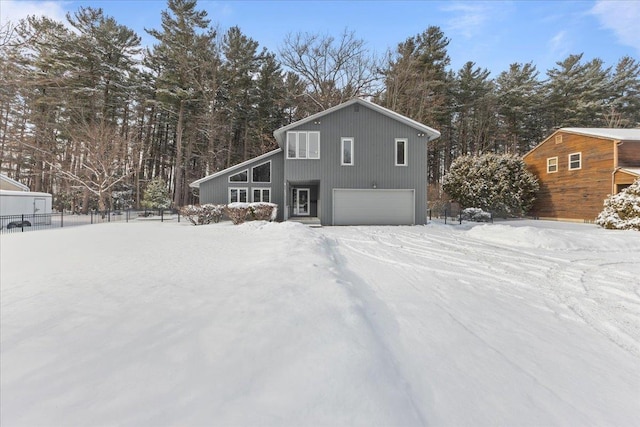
x=262 y=191
x=270 y=171
x=238 y=173
x=293 y=137
x=239 y=189
x=406 y=151
x=343 y=141
x=579 y=154
x=549 y=159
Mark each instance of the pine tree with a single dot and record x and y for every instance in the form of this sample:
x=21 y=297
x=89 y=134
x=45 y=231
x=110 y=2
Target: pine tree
x=519 y=106
x=156 y=196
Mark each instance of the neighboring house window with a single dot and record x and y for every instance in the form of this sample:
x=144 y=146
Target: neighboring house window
x=238 y=195
x=240 y=177
x=401 y=152
x=261 y=173
x=575 y=161
x=552 y=164
x=303 y=145
x=346 y=158
x=261 y=194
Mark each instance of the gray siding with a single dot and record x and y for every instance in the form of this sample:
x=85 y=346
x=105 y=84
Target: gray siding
x=216 y=190
x=374 y=157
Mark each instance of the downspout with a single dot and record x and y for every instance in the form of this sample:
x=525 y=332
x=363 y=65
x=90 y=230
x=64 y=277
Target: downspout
x=616 y=168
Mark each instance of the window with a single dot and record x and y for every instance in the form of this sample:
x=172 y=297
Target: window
x=303 y=145
x=240 y=177
x=346 y=158
x=401 y=152
x=238 y=195
x=262 y=195
x=552 y=164
x=261 y=173
x=575 y=161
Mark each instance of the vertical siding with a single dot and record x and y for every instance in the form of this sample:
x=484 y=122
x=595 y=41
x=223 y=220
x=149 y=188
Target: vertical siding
x=216 y=190
x=374 y=137
x=629 y=154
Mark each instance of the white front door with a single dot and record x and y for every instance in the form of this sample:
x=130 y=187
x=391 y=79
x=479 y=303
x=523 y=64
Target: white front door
x=301 y=201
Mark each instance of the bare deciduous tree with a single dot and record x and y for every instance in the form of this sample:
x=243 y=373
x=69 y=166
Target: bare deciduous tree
x=334 y=69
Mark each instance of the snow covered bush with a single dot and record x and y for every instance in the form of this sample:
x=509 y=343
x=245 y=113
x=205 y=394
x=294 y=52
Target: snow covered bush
x=202 y=214
x=622 y=211
x=237 y=212
x=263 y=211
x=475 y=214
x=492 y=182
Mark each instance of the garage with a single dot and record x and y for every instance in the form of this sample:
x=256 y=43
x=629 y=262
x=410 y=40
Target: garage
x=373 y=207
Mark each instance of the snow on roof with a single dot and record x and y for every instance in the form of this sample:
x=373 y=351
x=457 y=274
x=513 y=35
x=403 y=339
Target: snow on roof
x=611 y=133
x=196 y=184
x=8 y=183
x=432 y=133
x=632 y=171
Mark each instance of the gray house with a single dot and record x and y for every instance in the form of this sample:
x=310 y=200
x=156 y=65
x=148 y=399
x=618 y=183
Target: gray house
x=354 y=164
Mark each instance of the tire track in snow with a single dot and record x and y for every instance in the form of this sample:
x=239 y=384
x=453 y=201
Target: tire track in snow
x=377 y=319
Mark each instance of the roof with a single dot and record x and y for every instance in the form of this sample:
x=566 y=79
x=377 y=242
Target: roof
x=631 y=171
x=605 y=133
x=12 y=183
x=609 y=133
x=432 y=134
x=196 y=184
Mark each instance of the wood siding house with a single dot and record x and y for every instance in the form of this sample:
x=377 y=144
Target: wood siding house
x=578 y=168
x=355 y=163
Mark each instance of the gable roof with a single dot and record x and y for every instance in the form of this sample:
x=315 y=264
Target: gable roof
x=631 y=171
x=604 y=133
x=196 y=184
x=608 y=133
x=431 y=133
x=8 y=183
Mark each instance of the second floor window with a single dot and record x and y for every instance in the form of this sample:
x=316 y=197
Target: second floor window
x=575 y=161
x=552 y=164
x=239 y=177
x=346 y=158
x=303 y=145
x=401 y=152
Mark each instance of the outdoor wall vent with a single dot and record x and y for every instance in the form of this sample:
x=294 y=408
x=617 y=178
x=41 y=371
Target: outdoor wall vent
x=559 y=139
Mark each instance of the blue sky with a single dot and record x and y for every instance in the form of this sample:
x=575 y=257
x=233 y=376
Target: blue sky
x=493 y=34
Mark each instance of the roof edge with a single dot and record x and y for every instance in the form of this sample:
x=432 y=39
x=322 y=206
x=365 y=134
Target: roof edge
x=432 y=133
x=196 y=183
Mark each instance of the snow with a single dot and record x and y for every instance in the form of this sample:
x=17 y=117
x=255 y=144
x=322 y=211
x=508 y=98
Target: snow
x=151 y=324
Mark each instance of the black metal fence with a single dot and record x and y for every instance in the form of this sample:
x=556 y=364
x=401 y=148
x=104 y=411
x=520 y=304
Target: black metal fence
x=32 y=222
x=455 y=215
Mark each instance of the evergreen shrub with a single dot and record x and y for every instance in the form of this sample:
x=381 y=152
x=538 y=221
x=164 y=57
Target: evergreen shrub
x=622 y=211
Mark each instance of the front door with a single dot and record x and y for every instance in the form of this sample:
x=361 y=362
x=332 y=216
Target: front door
x=301 y=201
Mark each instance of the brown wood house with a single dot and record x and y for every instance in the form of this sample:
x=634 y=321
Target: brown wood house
x=579 y=167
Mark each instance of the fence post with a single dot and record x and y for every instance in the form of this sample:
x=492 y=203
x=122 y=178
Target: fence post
x=108 y=216
x=178 y=215
x=161 y=215
x=445 y=216
x=62 y=218
x=429 y=214
x=127 y=217
x=22 y=223
x=460 y=217
x=91 y=213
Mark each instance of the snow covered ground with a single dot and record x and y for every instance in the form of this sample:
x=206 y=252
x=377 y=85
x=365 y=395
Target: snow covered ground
x=515 y=323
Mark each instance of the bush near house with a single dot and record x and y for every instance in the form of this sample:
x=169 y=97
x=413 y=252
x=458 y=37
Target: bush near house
x=236 y=212
x=622 y=211
x=202 y=214
x=498 y=183
x=476 y=214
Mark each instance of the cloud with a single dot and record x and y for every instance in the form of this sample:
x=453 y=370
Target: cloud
x=13 y=10
x=470 y=19
x=559 y=44
x=622 y=18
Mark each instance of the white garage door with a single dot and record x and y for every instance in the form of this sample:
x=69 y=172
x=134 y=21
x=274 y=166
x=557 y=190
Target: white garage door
x=373 y=207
